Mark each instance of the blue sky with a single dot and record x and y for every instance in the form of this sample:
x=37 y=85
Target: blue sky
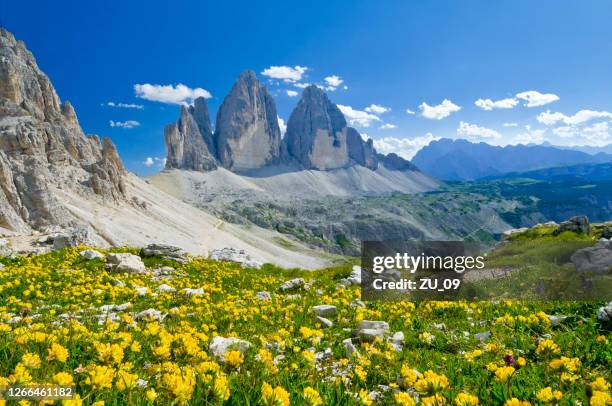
x=541 y=68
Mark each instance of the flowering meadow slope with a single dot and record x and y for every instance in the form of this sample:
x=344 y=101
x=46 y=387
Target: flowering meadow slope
x=149 y=338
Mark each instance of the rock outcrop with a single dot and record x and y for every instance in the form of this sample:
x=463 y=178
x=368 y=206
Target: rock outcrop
x=317 y=133
x=43 y=149
x=247 y=133
x=577 y=224
x=189 y=141
x=596 y=259
x=360 y=152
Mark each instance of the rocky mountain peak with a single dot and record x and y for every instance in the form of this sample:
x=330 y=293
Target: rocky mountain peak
x=189 y=141
x=43 y=148
x=247 y=134
x=317 y=132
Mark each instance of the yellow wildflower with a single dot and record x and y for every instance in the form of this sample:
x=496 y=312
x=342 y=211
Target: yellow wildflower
x=503 y=374
x=151 y=395
x=31 y=360
x=600 y=385
x=547 y=346
x=312 y=397
x=180 y=384
x=109 y=353
x=426 y=338
x=465 y=399
x=277 y=396
x=404 y=399
x=101 y=377
x=516 y=402
x=75 y=401
x=433 y=400
x=234 y=358
x=431 y=383
x=470 y=356
x=126 y=380
x=63 y=379
x=364 y=397
x=409 y=375
x=57 y=352
x=600 y=399
x=221 y=387
x=548 y=395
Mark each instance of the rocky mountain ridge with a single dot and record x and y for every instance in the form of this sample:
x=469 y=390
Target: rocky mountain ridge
x=248 y=137
x=43 y=148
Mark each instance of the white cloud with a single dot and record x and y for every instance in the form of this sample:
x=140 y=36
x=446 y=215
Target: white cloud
x=333 y=82
x=292 y=93
x=179 y=94
x=440 y=111
x=488 y=104
x=530 y=136
x=387 y=126
x=410 y=112
x=510 y=125
x=596 y=135
x=282 y=125
x=580 y=117
x=150 y=161
x=534 y=98
x=301 y=85
x=377 y=109
x=124 y=105
x=357 y=117
x=124 y=124
x=475 y=131
x=404 y=147
x=285 y=73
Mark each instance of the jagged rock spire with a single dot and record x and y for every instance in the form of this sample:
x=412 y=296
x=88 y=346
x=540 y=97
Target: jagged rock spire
x=189 y=141
x=247 y=135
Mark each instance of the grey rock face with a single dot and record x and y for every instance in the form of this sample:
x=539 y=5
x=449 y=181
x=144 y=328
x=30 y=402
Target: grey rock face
x=577 y=224
x=604 y=313
x=247 y=135
x=594 y=259
x=324 y=310
x=234 y=255
x=189 y=141
x=292 y=284
x=166 y=251
x=317 y=133
x=325 y=323
x=43 y=149
x=361 y=152
x=125 y=262
x=72 y=237
x=91 y=254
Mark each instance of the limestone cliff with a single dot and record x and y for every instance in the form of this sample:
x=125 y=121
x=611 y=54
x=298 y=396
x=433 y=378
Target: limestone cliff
x=43 y=148
x=247 y=134
x=189 y=141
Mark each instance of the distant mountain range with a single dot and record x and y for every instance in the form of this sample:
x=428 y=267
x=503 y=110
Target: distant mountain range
x=573 y=173
x=462 y=160
x=606 y=149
